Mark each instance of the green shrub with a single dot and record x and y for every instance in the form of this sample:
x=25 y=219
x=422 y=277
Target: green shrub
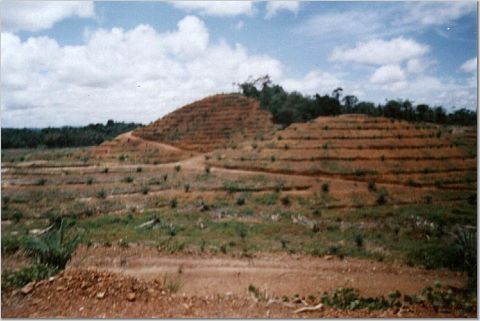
x=359 y=240
x=165 y=177
x=173 y=203
x=54 y=249
x=360 y=172
x=272 y=158
x=139 y=169
x=231 y=187
x=350 y=299
x=105 y=170
x=17 y=216
x=382 y=197
x=11 y=244
x=241 y=201
x=121 y=158
x=17 y=279
x=5 y=201
x=325 y=187
x=465 y=241
x=89 y=181
x=128 y=179
x=285 y=200
x=187 y=187
x=41 y=182
x=207 y=169
x=372 y=187
x=145 y=190
x=178 y=168
x=102 y=194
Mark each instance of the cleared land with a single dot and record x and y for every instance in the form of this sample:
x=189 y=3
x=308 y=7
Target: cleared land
x=340 y=201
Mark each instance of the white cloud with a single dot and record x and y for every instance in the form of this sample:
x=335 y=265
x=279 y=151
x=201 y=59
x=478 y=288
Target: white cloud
x=131 y=75
x=216 y=8
x=436 y=12
x=39 y=15
x=419 y=65
x=390 y=77
x=334 y=25
x=470 y=65
x=314 y=82
x=273 y=7
x=380 y=52
x=239 y=25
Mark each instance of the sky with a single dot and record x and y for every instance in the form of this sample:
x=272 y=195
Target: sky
x=76 y=63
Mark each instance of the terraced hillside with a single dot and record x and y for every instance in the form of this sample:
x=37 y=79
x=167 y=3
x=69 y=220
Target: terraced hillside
x=361 y=149
x=214 y=122
x=355 y=198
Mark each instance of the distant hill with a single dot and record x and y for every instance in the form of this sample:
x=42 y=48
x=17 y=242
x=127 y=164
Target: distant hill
x=213 y=122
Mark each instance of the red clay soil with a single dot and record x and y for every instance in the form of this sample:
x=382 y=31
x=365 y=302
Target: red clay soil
x=210 y=123
x=91 y=293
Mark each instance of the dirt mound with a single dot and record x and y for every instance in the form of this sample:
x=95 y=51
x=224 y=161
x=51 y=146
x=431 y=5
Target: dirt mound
x=132 y=149
x=92 y=294
x=213 y=122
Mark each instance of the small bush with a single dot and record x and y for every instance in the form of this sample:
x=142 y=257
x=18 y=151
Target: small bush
x=359 y=240
x=382 y=197
x=360 y=172
x=11 y=244
x=89 y=181
x=173 y=203
x=207 y=169
x=178 y=168
x=223 y=248
x=165 y=177
x=187 y=188
x=285 y=200
x=20 y=278
x=5 y=201
x=428 y=199
x=372 y=187
x=17 y=216
x=272 y=158
x=128 y=179
x=145 y=190
x=240 y=201
x=325 y=187
x=41 y=182
x=102 y=194
x=105 y=170
x=121 y=158
x=123 y=243
x=54 y=249
x=139 y=169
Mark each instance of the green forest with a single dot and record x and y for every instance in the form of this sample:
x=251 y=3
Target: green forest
x=67 y=136
x=294 y=107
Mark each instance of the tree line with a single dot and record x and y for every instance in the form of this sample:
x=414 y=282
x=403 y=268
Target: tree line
x=292 y=107
x=67 y=136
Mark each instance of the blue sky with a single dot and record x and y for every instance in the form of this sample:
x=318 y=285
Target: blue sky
x=74 y=63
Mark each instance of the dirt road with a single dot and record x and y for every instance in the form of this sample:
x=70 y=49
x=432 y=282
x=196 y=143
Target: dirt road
x=277 y=274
